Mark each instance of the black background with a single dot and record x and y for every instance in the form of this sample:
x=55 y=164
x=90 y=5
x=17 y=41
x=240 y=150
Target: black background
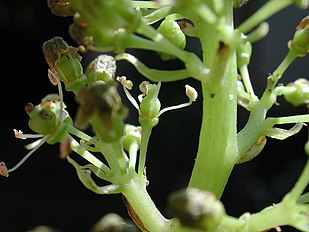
x=46 y=190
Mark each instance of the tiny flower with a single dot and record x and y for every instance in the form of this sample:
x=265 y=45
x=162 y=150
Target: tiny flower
x=150 y=106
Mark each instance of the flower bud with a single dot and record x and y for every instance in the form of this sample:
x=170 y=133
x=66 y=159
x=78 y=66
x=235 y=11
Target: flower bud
x=196 y=209
x=132 y=135
x=60 y=7
x=172 y=31
x=300 y=43
x=298 y=93
x=102 y=68
x=243 y=53
x=150 y=104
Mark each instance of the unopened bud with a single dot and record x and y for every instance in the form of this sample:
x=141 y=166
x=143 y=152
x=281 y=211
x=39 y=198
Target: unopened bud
x=298 y=93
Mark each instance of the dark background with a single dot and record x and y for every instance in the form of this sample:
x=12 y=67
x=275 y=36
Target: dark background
x=46 y=190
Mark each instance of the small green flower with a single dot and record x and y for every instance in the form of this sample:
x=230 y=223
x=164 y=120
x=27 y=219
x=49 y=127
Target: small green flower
x=64 y=62
x=150 y=106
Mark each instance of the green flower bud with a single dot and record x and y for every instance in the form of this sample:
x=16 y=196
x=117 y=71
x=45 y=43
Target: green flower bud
x=196 y=209
x=150 y=104
x=64 y=62
x=297 y=92
x=132 y=135
x=300 y=43
x=172 y=31
x=101 y=105
x=60 y=7
x=102 y=68
x=243 y=52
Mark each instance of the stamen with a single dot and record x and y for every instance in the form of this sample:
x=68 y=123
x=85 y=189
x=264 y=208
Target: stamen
x=42 y=141
x=20 y=135
x=127 y=84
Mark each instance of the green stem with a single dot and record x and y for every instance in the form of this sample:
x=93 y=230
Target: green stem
x=269 y=9
x=142 y=205
x=76 y=147
x=301 y=184
x=155 y=75
x=146 y=132
x=217 y=151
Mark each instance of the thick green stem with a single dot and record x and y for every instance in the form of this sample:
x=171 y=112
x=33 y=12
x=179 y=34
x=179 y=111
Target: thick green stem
x=139 y=203
x=217 y=152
